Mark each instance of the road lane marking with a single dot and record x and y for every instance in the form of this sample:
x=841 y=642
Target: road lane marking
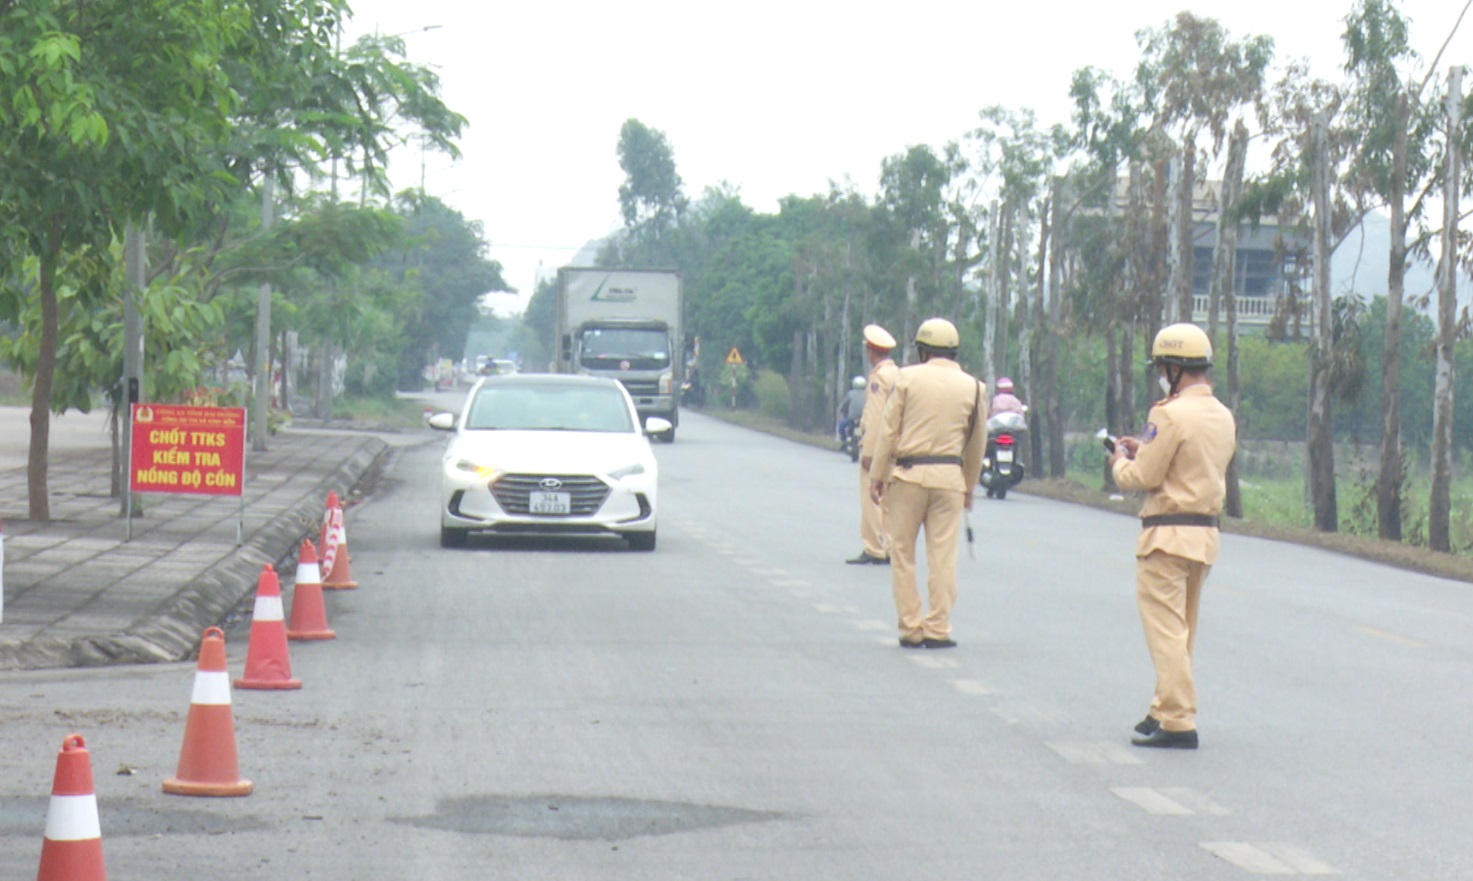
x=970 y=686
x=770 y=573
x=1268 y=858
x=870 y=624
x=1392 y=637
x=933 y=663
x=1016 y=711
x=826 y=608
x=1153 y=801
x=791 y=582
x=749 y=562
x=1093 y=752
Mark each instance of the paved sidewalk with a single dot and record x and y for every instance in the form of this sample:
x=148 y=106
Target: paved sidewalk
x=78 y=594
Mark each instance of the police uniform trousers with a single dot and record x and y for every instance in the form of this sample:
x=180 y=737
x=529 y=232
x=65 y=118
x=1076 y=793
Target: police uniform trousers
x=909 y=508
x=871 y=520
x=1169 y=592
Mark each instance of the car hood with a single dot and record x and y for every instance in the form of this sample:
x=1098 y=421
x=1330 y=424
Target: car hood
x=552 y=452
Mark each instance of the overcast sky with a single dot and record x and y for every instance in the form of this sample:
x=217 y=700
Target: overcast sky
x=775 y=98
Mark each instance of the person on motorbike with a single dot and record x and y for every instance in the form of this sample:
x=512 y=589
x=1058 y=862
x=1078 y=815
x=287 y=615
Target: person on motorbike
x=851 y=407
x=1005 y=401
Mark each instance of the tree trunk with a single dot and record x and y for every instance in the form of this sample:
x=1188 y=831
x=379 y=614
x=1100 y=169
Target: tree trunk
x=261 y=406
x=1052 y=392
x=1005 y=286
x=1186 y=229
x=1321 y=441
x=1174 y=259
x=1028 y=343
x=907 y=330
x=1439 y=512
x=1225 y=290
x=36 y=463
x=1389 y=482
x=989 y=335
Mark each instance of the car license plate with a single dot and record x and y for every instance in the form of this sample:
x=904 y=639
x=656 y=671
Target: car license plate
x=550 y=503
x=1005 y=457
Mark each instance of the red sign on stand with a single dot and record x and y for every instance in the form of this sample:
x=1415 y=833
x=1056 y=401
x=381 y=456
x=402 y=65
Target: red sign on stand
x=179 y=449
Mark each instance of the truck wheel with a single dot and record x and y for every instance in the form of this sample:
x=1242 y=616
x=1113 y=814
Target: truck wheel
x=668 y=437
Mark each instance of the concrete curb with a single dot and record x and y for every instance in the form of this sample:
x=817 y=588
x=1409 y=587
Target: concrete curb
x=171 y=631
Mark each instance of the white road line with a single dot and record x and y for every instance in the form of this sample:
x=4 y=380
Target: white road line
x=1392 y=637
x=1153 y=801
x=791 y=582
x=931 y=662
x=870 y=624
x=1093 y=752
x=770 y=573
x=1017 y=711
x=1268 y=858
x=970 y=686
x=827 y=608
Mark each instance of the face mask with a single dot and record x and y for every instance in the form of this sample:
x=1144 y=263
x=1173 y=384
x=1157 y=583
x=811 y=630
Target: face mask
x=1165 y=385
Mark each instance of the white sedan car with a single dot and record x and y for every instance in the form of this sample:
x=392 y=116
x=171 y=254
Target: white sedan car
x=548 y=454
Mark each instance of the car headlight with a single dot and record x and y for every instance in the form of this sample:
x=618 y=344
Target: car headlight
x=627 y=471
x=476 y=470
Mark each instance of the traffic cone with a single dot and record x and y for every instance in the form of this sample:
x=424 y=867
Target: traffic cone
x=268 y=662
x=309 y=613
x=72 y=849
x=335 y=558
x=207 y=763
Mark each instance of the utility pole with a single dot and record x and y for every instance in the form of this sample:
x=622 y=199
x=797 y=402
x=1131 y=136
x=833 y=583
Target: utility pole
x=259 y=425
x=132 y=379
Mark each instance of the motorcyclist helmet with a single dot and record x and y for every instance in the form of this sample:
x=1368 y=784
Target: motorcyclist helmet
x=1184 y=345
x=937 y=333
x=857 y=382
x=1004 y=385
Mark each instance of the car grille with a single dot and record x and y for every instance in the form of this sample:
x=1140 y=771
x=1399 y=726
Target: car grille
x=639 y=387
x=514 y=491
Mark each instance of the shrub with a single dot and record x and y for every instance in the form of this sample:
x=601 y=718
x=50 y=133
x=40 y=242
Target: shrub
x=772 y=394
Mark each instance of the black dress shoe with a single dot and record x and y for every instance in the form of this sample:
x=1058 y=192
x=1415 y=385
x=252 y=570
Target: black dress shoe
x=1163 y=739
x=912 y=644
x=1147 y=726
x=943 y=643
x=864 y=559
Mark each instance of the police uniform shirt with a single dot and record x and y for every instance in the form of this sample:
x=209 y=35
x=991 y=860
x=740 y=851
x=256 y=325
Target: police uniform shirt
x=1182 y=464
x=881 y=381
x=929 y=414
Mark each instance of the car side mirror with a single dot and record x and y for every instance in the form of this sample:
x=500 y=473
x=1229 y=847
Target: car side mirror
x=442 y=422
x=657 y=425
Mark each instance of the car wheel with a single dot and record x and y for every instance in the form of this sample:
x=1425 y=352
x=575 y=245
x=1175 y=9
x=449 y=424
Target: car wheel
x=453 y=538
x=641 y=541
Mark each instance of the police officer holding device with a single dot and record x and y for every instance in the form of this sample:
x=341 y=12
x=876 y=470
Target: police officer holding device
x=1180 y=461
x=928 y=456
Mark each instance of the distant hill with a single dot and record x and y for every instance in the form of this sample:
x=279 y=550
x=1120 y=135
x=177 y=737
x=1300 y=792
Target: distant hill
x=1362 y=262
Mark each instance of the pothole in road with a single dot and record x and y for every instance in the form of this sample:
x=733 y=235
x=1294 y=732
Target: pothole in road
x=579 y=818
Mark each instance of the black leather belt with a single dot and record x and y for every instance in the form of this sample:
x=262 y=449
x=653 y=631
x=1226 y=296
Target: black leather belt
x=1179 y=520
x=908 y=461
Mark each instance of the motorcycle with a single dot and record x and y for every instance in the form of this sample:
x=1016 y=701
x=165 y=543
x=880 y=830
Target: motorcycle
x=848 y=432
x=692 y=393
x=1001 y=470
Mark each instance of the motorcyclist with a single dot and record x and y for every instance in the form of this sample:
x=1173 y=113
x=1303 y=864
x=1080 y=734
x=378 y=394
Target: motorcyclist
x=851 y=407
x=1005 y=401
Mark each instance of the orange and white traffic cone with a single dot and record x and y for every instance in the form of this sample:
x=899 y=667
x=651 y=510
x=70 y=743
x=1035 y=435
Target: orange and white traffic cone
x=268 y=661
x=335 y=561
x=72 y=849
x=309 y=613
x=207 y=762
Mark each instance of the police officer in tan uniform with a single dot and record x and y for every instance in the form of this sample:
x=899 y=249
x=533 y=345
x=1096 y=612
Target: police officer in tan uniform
x=928 y=456
x=878 y=343
x=1181 y=462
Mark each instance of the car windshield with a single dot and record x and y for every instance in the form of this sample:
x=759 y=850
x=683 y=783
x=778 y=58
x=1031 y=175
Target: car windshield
x=625 y=343
x=549 y=407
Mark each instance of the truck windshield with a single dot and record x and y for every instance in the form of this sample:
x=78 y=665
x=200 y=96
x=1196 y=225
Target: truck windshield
x=645 y=349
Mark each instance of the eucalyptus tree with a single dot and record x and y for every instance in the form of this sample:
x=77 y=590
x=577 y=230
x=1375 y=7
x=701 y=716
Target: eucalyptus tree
x=650 y=198
x=913 y=189
x=1439 y=512
x=1395 y=163
x=1197 y=79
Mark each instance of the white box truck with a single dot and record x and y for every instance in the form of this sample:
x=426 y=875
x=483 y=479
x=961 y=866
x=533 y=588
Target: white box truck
x=624 y=324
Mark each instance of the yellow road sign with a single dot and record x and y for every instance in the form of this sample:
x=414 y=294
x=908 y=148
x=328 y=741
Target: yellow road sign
x=734 y=356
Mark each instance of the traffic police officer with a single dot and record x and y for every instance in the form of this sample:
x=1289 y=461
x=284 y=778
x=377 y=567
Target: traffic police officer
x=878 y=343
x=928 y=456
x=1181 y=462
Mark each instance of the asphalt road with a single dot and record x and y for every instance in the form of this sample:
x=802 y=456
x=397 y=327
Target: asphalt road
x=733 y=706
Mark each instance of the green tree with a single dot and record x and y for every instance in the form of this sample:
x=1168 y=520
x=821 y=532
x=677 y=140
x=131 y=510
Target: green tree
x=650 y=197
